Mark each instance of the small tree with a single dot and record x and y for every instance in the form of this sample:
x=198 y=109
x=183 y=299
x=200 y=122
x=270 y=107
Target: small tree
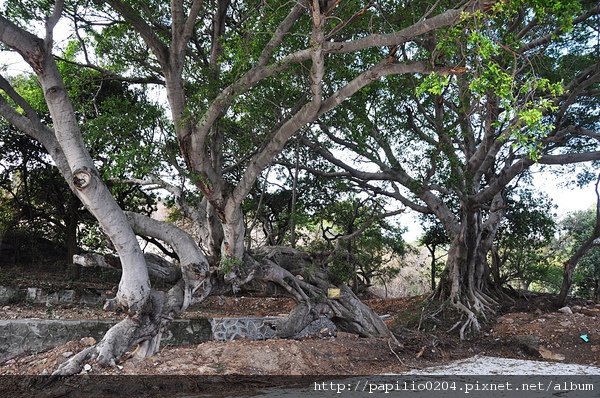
x=520 y=252
x=583 y=230
x=358 y=242
x=434 y=238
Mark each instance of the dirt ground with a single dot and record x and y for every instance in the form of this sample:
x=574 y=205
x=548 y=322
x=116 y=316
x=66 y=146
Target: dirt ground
x=527 y=328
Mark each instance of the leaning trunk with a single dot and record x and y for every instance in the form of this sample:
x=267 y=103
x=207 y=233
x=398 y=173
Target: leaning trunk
x=296 y=275
x=569 y=269
x=145 y=329
x=569 y=266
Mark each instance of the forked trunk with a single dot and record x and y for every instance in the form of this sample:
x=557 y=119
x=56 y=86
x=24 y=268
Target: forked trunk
x=233 y=236
x=145 y=329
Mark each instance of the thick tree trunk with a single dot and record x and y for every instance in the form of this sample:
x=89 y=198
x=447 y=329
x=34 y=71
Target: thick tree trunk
x=145 y=329
x=214 y=237
x=464 y=282
x=234 y=232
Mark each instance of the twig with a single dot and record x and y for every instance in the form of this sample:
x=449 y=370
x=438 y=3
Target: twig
x=397 y=356
x=453 y=327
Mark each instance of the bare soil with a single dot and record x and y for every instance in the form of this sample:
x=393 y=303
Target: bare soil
x=527 y=328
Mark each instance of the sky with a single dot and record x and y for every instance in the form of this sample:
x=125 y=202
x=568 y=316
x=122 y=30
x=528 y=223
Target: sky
x=568 y=199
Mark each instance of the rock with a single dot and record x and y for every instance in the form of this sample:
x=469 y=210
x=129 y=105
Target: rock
x=8 y=295
x=88 y=341
x=565 y=310
x=322 y=327
x=566 y=323
x=529 y=340
x=67 y=354
x=590 y=311
x=547 y=354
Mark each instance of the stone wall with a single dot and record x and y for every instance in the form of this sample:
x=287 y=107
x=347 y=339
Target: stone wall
x=36 y=295
x=255 y=328
x=35 y=335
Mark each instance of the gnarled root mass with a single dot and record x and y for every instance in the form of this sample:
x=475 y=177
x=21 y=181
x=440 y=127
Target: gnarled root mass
x=472 y=304
x=311 y=287
x=274 y=270
x=143 y=330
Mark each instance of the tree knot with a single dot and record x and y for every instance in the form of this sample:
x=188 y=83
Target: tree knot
x=82 y=179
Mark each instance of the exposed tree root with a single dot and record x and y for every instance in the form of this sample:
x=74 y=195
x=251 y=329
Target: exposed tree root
x=471 y=324
x=309 y=285
x=479 y=304
x=276 y=269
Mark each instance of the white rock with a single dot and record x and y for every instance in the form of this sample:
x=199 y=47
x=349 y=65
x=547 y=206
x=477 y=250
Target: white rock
x=87 y=367
x=565 y=310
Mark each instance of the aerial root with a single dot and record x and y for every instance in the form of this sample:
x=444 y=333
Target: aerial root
x=394 y=352
x=486 y=301
x=471 y=324
x=75 y=364
x=457 y=324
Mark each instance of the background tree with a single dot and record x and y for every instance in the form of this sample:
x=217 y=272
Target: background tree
x=358 y=242
x=46 y=206
x=582 y=231
x=434 y=238
x=525 y=249
x=465 y=136
x=37 y=202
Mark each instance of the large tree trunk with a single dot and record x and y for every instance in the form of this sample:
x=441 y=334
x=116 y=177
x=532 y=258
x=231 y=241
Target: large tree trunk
x=465 y=280
x=234 y=231
x=145 y=329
